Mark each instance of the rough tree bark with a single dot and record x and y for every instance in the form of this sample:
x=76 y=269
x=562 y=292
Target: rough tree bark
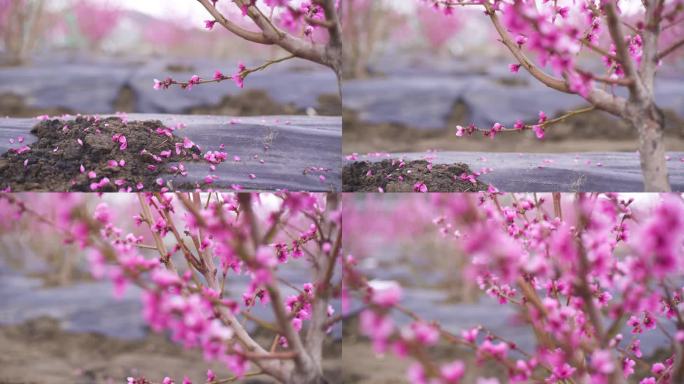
x=678 y=375
x=649 y=122
x=639 y=109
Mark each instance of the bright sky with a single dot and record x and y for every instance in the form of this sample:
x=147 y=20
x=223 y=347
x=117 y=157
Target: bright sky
x=406 y=6
x=166 y=8
x=174 y=9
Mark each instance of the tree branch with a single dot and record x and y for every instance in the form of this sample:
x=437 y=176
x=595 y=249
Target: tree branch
x=507 y=40
x=294 y=341
x=676 y=45
x=334 y=28
x=324 y=274
x=298 y=47
x=161 y=248
x=618 y=37
x=649 y=57
x=255 y=37
x=272 y=367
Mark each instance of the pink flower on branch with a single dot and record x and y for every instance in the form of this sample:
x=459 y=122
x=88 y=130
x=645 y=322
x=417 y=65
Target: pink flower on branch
x=209 y=24
x=239 y=76
x=195 y=312
x=562 y=262
x=294 y=29
x=555 y=41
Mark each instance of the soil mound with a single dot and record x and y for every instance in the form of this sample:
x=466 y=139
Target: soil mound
x=92 y=154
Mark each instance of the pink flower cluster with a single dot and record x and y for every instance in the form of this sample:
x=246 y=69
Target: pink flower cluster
x=497 y=128
x=199 y=240
x=554 y=41
x=238 y=77
x=575 y=267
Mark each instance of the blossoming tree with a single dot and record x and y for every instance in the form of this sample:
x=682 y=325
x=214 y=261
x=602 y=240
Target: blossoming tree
x=630 y=45
x=437 y=27
x=292 y=26
x=188 y=247
x=361 y=31
x=20 y=27
x=96 y=21
x=366 y=24
x=590 y=276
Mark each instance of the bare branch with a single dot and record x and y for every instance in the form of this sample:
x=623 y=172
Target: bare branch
x=255 y=37
x=607 y=101
x=332 y=18
x=676 y=45
x=243 y=74
x=563 y=117
x=649 y=57
x=324 y=274
x=294 y=341
x=297 y=46
x=546 y=79
x=618 y=37
x=161 y=248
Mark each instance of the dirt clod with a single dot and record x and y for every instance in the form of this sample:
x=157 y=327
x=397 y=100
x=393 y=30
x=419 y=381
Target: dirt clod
x=391 y=176
x=54 y=161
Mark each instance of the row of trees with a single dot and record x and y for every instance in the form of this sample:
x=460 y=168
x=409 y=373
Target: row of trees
x=26 y=24
x=371 y=26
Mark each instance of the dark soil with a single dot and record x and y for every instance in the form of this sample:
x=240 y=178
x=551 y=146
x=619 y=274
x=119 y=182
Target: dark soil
x=385 y=174
x=329 y=105
x=125 y=100
x=512 y=81
x=248 y=103
x=363 y=366
x=54 y=160
x=41 y=351
x=15 y=106
x=180 y=68
x=258 y=103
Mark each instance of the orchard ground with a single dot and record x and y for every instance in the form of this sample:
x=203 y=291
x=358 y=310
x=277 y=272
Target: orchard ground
x=288 y=107
x=409 y=107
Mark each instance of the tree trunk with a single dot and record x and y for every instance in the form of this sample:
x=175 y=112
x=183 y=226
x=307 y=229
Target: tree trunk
x=311 y=372
x=336 y=66
x=289 y=372
x=650 y=124
x=678 y=370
